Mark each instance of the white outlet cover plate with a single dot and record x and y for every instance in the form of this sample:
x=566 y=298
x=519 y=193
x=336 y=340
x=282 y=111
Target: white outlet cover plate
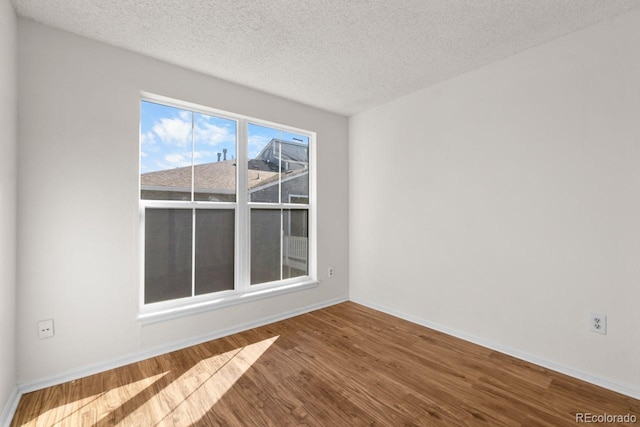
x=599 y=323
x=45 y=329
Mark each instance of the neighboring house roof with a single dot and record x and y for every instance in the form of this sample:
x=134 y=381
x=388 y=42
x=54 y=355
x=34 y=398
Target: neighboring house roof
x=261 y=183
x=220 y=177
x=285 y=152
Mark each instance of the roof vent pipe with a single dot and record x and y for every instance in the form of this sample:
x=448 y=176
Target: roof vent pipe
x=219 y=156
x=224 y=150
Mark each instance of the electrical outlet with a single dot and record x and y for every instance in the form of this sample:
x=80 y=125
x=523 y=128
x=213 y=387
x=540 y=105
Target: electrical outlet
x=599 y=323
x=330 y=271
x=45 y=329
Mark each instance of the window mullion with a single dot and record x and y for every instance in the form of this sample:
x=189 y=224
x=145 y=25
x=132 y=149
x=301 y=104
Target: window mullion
x=193 y=170
x=282 y=243
x=193 y=216
x=243 y=242
x=193 y=252
x=280 y=171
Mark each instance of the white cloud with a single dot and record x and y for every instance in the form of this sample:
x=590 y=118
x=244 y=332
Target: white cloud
x=166 y=143
x=147 y=138
x=176 y=160
x=210 y=134
x=256 y=144
x=204 y=154
x=176 y=131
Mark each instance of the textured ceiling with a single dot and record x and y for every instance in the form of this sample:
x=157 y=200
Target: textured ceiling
x=344 y=56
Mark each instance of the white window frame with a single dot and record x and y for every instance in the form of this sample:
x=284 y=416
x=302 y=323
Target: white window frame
x=244 y=291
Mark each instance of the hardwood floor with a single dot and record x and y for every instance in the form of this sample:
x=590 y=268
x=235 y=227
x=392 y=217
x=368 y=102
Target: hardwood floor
x=345 y=365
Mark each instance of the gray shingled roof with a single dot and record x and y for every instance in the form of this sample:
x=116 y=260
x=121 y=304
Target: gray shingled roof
x=219 y=176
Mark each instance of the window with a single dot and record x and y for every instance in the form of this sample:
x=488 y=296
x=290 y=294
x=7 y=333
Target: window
x=226 y=206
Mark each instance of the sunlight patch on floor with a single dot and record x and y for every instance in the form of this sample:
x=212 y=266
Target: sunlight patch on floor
x=75 y=414
x=188 y=398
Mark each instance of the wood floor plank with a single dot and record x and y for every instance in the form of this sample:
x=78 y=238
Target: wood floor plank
x=345 y=365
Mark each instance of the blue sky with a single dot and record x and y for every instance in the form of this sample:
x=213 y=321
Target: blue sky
x=165 y=137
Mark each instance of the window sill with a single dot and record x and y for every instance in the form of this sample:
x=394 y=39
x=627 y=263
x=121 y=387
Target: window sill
x=163 y=315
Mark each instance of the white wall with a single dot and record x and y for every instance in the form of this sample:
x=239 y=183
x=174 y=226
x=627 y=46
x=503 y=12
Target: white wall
x=8 y=175
x=504 y=204
x=78 y=205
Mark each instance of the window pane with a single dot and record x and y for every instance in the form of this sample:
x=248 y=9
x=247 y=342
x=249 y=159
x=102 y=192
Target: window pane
x=265 y=245
x=295 y=244
x=295 y=170
x=165 y=152
x=278 y=166
x=215 y=242
x=167 y=253
x=214 y=158
x=264 y=164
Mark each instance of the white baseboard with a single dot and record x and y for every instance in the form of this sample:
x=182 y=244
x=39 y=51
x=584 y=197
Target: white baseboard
x=10 y=407
x=627 y=390
x=146 y=354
